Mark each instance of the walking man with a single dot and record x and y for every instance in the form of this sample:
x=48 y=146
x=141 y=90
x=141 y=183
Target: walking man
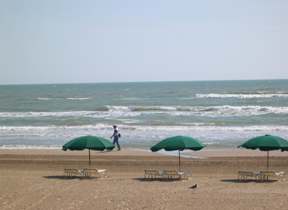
x=116 y=135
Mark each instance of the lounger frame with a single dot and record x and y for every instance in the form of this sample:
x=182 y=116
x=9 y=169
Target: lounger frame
x=153 y=174
x=85 y=172
x=260 y=176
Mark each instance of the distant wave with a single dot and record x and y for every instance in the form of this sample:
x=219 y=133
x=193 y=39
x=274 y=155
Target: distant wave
x=77 y=99
x=134 y=111
x=242 y=95
x=132 y=99
x=153 y=108
x=69 y=98
x=16 y=146
x=43 y=99
x=100 y=126
x=44 y=114
x=213 y=111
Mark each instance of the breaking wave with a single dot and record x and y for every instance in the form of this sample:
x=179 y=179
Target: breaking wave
x=51 y=130
x=242 y=95
x=77 y=99
x=29 y=137
x=69 y=98
x=134 y=111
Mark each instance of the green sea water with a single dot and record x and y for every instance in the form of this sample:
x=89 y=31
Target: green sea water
x=216 y=112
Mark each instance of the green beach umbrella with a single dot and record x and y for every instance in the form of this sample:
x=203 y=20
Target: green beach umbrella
x=179 y=143
x=90 y=143
x=266 y=143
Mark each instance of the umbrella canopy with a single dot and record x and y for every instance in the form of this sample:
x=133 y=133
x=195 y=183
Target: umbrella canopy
x=178 y=143
x=90 y=143
x=266 y=143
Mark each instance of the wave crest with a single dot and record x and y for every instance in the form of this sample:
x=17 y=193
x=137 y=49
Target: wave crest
x=242 y=95
x=134 y=111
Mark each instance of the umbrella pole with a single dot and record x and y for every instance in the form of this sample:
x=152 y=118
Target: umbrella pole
x=267 y=160
x=179 y=161
x=89 y=158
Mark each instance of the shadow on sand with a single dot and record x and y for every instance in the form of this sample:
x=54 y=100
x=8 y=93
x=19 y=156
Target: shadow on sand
x=141 y=179
x=68 y=177
x=247 y=181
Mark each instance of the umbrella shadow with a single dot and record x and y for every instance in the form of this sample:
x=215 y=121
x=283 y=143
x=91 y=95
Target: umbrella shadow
x=248 y=181
x=142 y=179
x=62 y=177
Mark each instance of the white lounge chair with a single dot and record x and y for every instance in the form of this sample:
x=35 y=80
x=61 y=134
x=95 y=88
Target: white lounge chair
x=85 y=172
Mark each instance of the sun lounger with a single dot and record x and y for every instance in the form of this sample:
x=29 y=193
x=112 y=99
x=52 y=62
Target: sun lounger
x=71 y=172
x=257 y=176
x=85 y=172
x=88 y=172
x=163 y=174
x=183 y=175
x=280 y=173
x=171 y=174
x=266 y=175
x=151 y=174
x=245 y=175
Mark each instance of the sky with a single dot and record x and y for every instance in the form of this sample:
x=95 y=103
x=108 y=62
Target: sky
x=73 y=41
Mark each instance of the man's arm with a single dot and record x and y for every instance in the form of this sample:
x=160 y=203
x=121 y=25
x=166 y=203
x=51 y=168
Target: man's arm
x=113 y=134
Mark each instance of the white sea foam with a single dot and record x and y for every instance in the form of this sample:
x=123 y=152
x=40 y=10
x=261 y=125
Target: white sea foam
x=118 y=108
x=16 y=147
x=44 y=114
x=112 y=112
x=43 y=99
x=242 y=95
x=68 y=98
x=132 y=99
x=214 y=111
x=97 y=127
x=132 y=135
x=226 y=110
x=77 y=99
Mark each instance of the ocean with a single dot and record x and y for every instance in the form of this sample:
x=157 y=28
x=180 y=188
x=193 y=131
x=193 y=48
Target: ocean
x=218 y=113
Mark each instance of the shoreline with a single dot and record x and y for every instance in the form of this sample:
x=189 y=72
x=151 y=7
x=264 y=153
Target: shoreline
x=205 y=153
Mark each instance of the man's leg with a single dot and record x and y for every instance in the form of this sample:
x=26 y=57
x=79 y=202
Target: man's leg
x=118 y=145
x=114 y=142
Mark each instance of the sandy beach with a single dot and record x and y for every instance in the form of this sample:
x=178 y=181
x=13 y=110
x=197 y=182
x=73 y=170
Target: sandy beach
x=34 y=179
x=207 y=77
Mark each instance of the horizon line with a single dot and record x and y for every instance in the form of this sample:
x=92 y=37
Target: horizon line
x=144 y=81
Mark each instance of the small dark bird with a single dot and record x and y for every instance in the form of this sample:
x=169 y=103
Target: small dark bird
x=193 y=186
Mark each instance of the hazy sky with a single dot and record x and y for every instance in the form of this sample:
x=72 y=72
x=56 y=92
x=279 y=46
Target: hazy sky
x=55 y=41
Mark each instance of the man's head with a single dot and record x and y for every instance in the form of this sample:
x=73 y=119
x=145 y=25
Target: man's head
x=114 y=126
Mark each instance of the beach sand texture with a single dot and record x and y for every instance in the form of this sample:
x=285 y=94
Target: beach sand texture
x=33 y=179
